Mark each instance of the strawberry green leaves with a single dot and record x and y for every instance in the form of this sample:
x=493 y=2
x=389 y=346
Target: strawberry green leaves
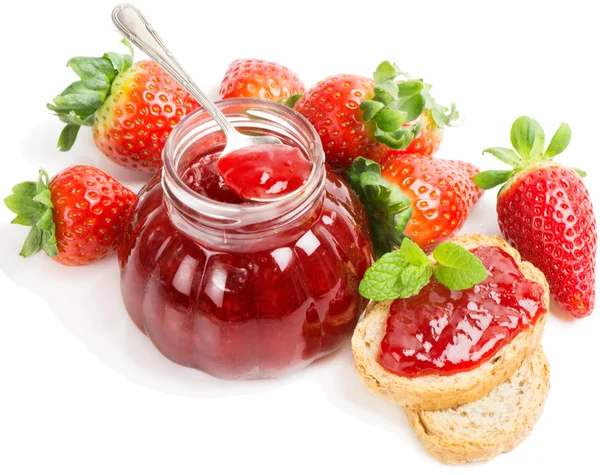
x=404 y=272
x=76 y=106
x=528 y=139
x=387 y=207
x=492 y=178
x=442 y=116
x=291 y=101
x=506 y=155
x=396 y=105
x=386 y=71
x=560 y=141
x=31 y=202
x=393 y=105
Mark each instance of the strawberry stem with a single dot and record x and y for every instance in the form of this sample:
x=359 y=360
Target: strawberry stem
x=32 y=203
x=394 y=105
x=528 y=139
x=388 y=209
x=76 y=106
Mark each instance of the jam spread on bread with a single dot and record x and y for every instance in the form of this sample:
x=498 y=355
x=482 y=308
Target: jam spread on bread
x=443 y=332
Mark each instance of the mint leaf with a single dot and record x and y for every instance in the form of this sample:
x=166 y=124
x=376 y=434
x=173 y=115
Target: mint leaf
x=402 y=273
x=413 y=254
x=398 y=274
x=380 y=279
x=457 y=269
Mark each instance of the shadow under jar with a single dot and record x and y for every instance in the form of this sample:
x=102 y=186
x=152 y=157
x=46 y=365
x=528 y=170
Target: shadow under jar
x=245 y=290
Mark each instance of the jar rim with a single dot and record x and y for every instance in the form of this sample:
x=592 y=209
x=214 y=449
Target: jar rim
x=257 y=106
x=191 y=209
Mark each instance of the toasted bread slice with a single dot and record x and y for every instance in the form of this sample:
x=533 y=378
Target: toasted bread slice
x=495 y=424
x=432 y=392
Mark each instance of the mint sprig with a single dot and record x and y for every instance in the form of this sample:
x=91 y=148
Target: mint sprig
x=387 y=207
x=404 y=272
x=457 y=269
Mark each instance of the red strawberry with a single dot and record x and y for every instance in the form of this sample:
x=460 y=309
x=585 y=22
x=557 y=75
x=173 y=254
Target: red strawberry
x=429 y=139
x=442 y=193
x=77 y=218
x=260 y=79
x=357 y=116
x=131 y=107
x=414 y=196
x=545 y=211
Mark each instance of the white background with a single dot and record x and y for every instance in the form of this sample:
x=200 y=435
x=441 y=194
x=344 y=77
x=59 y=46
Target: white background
x=84 y=392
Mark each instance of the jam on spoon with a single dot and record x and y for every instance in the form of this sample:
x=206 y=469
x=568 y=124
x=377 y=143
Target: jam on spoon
x=264 y=172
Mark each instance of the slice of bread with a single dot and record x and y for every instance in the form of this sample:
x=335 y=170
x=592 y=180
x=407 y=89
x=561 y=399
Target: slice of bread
x=495 y=424
x=432 y=392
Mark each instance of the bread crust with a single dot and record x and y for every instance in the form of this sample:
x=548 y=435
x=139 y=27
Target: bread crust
x=495 y=424
x=432 y=392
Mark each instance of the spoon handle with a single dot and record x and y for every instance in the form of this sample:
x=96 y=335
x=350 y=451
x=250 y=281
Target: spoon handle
x=132 y=24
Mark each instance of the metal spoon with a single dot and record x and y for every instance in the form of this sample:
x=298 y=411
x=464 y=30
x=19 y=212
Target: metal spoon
x=132 y=24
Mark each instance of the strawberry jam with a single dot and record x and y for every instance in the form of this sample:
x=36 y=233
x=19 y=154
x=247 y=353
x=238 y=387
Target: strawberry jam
x=202 y=176
x=443 y=332
x=244 y=289
x=264 y=171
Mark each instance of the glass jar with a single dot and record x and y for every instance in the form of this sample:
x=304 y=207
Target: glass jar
x=246 y=290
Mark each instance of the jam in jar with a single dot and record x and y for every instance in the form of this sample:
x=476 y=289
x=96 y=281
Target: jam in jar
x=243 y=289
x=443 y=332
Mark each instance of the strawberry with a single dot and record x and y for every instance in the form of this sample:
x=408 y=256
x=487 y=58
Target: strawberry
x=442 y=193
x=430 y=136
x=545 y=211
x=357 y=116
x=423 y=198
x=260 y=79
x=132 y=108
x=77 y=217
